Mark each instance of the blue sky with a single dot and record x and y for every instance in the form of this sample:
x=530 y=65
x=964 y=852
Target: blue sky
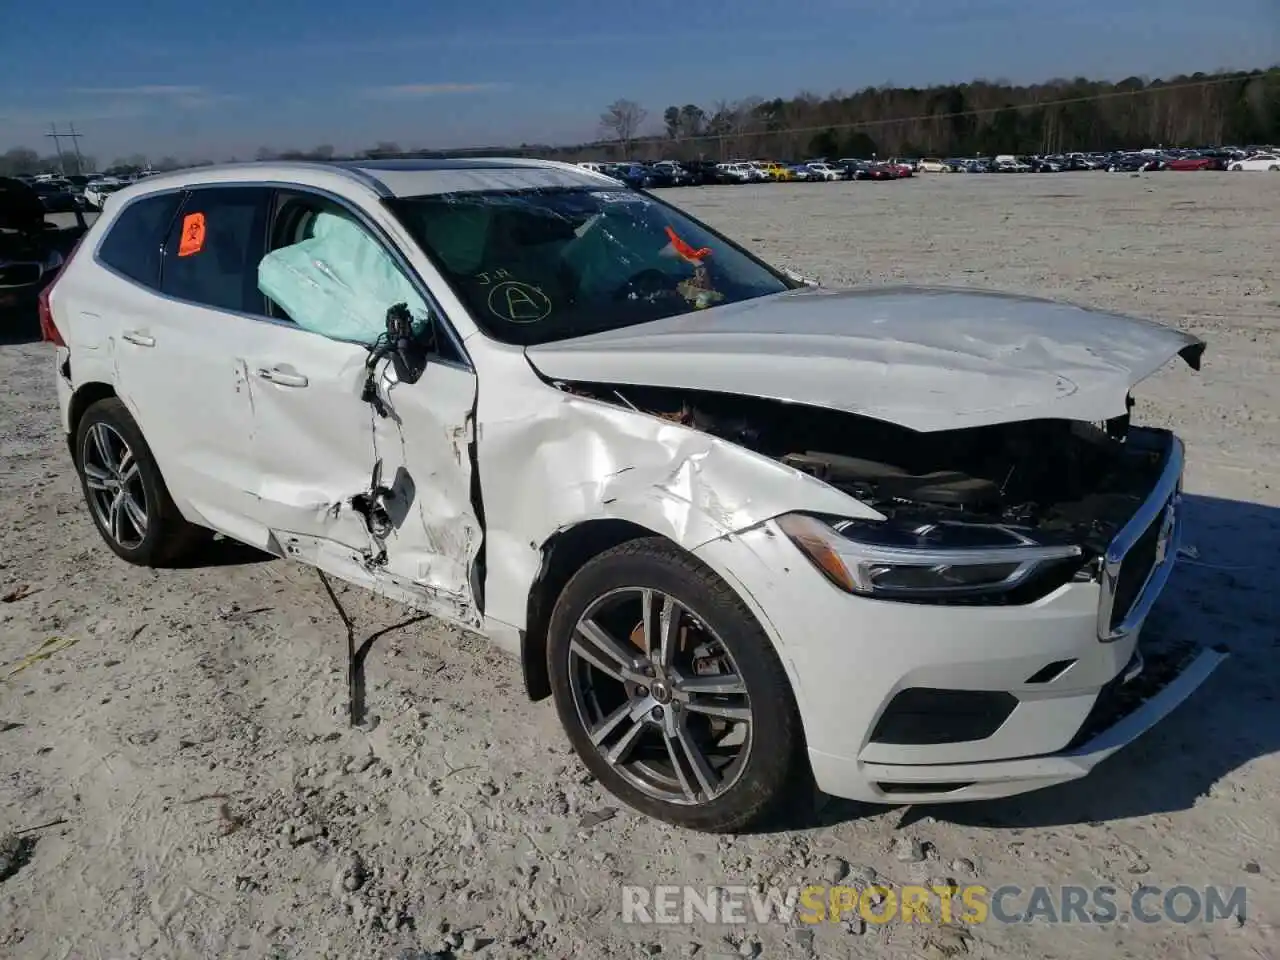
x=221 y=79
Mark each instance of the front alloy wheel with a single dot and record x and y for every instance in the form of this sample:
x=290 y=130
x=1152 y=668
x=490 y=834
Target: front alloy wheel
x=663 y=704
x=671 y=692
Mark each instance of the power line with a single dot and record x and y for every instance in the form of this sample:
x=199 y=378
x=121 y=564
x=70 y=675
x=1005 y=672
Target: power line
x=983 y=111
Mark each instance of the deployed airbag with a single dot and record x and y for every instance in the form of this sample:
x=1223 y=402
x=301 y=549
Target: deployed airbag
x=338 y=282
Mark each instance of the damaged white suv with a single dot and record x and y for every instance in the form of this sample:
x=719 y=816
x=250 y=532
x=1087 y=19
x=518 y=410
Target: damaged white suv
x=747 y=532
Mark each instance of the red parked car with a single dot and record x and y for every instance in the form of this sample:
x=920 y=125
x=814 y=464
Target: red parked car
x=1195 y=163
x=879 y=171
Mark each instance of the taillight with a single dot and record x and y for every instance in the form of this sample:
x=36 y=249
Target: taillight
x=48 y=329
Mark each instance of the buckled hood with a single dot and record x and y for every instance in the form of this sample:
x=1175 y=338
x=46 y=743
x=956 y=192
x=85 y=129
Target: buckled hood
x=920 y=357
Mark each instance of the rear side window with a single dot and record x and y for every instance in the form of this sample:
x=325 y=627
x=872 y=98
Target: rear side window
x=133 y=243
x=213 y=248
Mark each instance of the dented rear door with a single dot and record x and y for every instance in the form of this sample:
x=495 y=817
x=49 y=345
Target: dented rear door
x=317 y=445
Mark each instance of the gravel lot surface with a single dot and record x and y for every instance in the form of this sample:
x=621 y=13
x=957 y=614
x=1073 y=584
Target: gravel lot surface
x=186 y=737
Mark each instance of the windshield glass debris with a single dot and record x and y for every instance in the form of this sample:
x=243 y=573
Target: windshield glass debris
x=541 y=265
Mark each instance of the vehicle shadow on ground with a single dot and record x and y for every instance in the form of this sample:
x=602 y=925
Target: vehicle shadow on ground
x=1224 y=593
x=220 y=551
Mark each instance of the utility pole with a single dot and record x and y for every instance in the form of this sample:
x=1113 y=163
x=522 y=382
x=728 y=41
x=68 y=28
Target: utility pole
x=57 y=145
x=75 y=142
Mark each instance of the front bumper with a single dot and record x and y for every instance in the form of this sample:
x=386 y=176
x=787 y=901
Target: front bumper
x=1025 y=681
x=951 y=782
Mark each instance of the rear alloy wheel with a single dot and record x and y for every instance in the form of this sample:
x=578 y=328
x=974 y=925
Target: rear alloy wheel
x=126 y=495
x=671 y=692
x=114 y=481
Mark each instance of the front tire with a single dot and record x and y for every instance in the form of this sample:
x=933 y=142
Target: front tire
x=671 y=692
x=125 y=493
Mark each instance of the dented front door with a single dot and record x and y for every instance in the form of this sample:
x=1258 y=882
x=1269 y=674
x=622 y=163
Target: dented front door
x=382 y=501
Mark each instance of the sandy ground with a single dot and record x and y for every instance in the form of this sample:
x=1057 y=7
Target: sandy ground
x=186 y=734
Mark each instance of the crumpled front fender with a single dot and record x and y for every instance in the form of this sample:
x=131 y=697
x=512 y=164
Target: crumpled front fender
x=564 y=460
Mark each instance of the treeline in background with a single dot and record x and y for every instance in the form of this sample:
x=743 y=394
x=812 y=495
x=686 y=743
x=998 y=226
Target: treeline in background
x=982 y=118
x=964 y=120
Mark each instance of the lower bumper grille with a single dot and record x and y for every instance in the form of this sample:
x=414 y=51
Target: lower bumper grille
x=921 y=715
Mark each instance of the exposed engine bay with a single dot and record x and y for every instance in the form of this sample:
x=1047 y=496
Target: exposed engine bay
x=1068 y=482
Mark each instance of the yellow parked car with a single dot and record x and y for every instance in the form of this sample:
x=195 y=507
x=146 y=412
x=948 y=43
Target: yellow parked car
x=777 y=171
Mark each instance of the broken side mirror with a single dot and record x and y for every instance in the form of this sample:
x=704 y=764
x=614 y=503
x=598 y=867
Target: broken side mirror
x=410 y=344
x=407 y=346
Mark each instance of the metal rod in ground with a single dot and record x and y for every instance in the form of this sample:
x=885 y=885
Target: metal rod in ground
x=41 y=826
x=352 y=666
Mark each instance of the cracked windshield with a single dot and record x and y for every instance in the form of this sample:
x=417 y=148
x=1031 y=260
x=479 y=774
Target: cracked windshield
x=541 y=265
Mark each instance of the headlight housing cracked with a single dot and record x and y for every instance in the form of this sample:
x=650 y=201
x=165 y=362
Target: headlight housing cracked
x=936 y=562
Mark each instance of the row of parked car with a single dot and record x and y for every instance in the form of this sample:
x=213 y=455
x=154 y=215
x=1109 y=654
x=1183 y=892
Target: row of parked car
x=66 y=194
x=1221 y=158
x=690 y=173
x=682 y=173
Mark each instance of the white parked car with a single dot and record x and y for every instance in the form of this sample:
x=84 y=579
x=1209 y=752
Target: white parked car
x=742 y=172
x=97 y=191
x=741 y=529
x=819 y=170
x=1259 y=161
x=1006 y=163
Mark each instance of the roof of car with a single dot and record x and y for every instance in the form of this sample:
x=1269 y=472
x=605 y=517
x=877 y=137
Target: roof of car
x=389 y=178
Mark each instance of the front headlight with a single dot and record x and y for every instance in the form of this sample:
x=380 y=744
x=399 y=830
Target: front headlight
x=929 y=562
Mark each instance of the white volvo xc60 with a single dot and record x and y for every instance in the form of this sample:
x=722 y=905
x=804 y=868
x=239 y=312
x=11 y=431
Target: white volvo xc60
x=749 y=533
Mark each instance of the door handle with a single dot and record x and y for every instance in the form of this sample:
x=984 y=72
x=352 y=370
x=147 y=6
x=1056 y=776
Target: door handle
x=139 y=339
x=282 y=377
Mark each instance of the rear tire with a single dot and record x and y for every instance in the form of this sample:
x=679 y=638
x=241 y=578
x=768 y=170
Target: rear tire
x=126 y=495
x=629 y=705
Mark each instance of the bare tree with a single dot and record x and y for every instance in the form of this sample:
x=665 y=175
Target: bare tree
x=383 y=148
x=19 y=161
x=744 y=117
x=622 y=120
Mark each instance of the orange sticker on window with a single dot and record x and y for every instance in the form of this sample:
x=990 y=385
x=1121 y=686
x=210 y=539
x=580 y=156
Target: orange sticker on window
x=684 y=251
x=192 y=235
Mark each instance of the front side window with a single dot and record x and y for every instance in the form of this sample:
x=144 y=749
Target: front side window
x=326 y=273
x=134 y=242
x=213 y=248
x=535 y=266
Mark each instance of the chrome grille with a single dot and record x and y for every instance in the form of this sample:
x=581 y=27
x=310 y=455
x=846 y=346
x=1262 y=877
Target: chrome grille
x=1141 y=557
